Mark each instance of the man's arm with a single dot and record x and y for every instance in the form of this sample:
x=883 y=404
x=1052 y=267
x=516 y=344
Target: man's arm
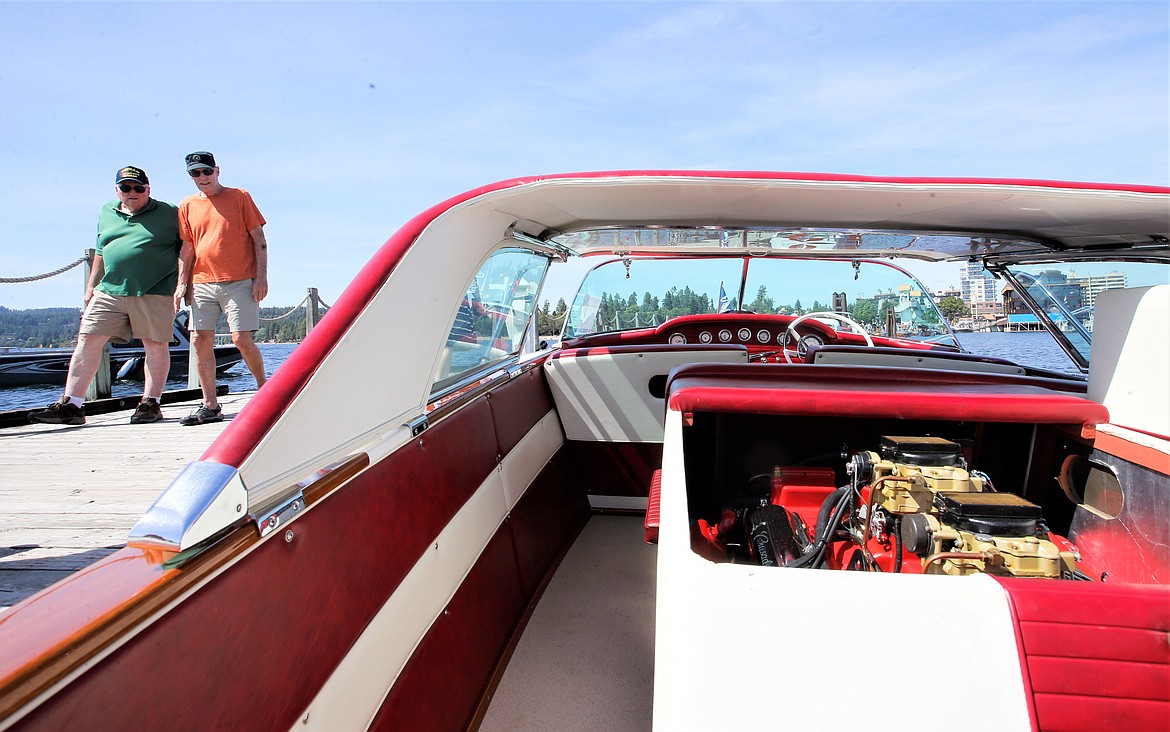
x=97 y=270
x=182 y=289
x=260 y=283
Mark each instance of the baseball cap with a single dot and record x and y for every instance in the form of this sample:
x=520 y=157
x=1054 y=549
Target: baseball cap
x=200 y=159
x=131 y=173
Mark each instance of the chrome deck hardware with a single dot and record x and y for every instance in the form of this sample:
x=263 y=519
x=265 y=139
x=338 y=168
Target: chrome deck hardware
x=203 y=499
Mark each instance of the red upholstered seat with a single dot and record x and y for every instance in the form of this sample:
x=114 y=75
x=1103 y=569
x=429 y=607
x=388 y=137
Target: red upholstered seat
x=652 y=508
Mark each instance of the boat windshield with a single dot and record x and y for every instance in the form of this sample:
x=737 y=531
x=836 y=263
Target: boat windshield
x=1060 y=297
x=628 y=293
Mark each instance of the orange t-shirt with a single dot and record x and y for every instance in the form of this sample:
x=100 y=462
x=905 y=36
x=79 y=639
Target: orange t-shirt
x=219 y=228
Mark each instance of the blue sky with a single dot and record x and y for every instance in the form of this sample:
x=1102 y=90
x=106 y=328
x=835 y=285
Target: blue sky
x=346 y=119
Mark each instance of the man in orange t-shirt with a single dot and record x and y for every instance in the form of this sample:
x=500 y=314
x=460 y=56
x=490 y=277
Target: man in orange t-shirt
x=223 y=269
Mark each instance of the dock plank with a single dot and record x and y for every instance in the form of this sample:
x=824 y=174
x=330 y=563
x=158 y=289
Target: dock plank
x=70 y=495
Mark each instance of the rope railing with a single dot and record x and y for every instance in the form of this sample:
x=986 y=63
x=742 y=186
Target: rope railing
x=290 y=312
x=45 y=276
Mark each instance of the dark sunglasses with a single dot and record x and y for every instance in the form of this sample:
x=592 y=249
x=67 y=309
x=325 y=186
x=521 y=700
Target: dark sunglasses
x=126 y=188
x=201 y=171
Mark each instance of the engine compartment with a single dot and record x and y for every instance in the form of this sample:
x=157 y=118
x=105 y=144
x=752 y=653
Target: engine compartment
x=919 y=500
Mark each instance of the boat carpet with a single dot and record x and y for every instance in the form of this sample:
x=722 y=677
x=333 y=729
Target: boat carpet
x=586 y=659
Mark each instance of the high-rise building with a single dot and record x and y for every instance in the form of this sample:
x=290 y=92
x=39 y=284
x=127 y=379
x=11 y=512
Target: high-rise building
x=1093 y=284
x=980 y=290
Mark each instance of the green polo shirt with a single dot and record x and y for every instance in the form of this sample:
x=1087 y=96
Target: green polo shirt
x=140 y=251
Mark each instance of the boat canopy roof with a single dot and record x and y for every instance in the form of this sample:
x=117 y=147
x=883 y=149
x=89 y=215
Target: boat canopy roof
x=793 y=214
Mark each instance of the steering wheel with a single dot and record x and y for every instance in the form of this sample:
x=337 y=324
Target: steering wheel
x=802 y=347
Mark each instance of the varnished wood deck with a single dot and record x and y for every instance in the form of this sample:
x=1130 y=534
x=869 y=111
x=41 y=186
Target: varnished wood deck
x=70 y=495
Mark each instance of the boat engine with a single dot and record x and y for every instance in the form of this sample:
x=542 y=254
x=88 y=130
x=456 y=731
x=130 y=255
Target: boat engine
x=918 y=500
x=911 y=506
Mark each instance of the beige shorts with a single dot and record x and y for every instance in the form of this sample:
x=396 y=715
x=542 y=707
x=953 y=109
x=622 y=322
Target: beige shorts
x=231 y=299
x=122 y=317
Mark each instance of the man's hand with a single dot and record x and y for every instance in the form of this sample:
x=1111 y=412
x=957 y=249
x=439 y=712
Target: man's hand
x=181 y=295
x=259 y=288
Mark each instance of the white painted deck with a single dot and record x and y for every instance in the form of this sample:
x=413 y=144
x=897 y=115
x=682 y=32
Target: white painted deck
x=70 y=495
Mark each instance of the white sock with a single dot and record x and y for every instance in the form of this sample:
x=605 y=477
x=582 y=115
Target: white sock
x=76 y=401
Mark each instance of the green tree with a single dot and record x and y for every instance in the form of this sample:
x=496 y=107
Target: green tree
x=762 y=303
x=953 y=308
x=865 y=312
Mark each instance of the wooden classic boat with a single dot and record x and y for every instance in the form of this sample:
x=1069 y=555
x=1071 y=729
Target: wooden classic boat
x=697 y=511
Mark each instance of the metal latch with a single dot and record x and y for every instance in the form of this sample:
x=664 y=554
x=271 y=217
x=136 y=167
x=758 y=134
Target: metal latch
x=275 y=516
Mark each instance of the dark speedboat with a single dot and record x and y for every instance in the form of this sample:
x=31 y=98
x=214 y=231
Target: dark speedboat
x=51 y=365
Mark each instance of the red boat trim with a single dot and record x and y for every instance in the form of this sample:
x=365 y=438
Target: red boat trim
x=1134 y=452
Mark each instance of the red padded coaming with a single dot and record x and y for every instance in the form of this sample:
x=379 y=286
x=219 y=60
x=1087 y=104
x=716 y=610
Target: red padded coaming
x=244 y=639
x=1096 y=655
x=856 y=391
x=654 y=509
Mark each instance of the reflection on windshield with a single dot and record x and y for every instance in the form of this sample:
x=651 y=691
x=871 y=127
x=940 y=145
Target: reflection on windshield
x=492 y=320
x=639 y=293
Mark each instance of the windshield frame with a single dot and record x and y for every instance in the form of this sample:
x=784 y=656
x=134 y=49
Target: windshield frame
x=1044 y=303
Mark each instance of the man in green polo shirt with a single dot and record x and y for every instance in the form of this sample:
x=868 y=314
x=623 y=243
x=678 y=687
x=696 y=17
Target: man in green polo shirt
x=130 y=293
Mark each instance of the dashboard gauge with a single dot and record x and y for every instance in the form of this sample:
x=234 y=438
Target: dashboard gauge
x=812 y=340
x=745 y=334
x=781 y=337
x=705 y=336
x=677 y=339
x=725 y=335
x=764 y=336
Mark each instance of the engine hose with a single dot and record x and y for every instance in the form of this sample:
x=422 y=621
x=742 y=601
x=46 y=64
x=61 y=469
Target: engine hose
x=826 y=527
x=898 y=543
x=843 y=510
x=815 y=556
x=827 y=507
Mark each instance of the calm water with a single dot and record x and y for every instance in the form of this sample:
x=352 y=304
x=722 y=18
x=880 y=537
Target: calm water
x=237 y=378
x=1029 y=349
x=1038 y=350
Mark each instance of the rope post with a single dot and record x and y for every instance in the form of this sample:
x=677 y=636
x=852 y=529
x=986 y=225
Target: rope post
x=101 y=386
x=312 y=310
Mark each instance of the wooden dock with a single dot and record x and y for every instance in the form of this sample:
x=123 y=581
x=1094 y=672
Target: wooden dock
x=70 y=495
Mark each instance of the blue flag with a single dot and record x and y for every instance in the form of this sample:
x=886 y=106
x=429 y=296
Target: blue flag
x=723 y=301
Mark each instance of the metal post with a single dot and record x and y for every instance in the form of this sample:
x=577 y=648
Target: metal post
x=100 y=387
x=312 y=310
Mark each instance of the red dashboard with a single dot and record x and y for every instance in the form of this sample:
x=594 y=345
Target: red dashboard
x=762 y=334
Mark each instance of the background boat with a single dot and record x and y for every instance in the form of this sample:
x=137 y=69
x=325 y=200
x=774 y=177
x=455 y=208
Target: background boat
x=51 y=365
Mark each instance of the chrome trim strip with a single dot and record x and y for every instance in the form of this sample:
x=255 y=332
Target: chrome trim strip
x=203 y=499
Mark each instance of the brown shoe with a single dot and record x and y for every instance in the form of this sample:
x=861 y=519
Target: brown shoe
x=202 y=415
x=147 y=412
x=61 y=412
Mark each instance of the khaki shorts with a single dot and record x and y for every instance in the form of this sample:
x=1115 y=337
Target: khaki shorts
x=232 y=299
x=122 y=317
